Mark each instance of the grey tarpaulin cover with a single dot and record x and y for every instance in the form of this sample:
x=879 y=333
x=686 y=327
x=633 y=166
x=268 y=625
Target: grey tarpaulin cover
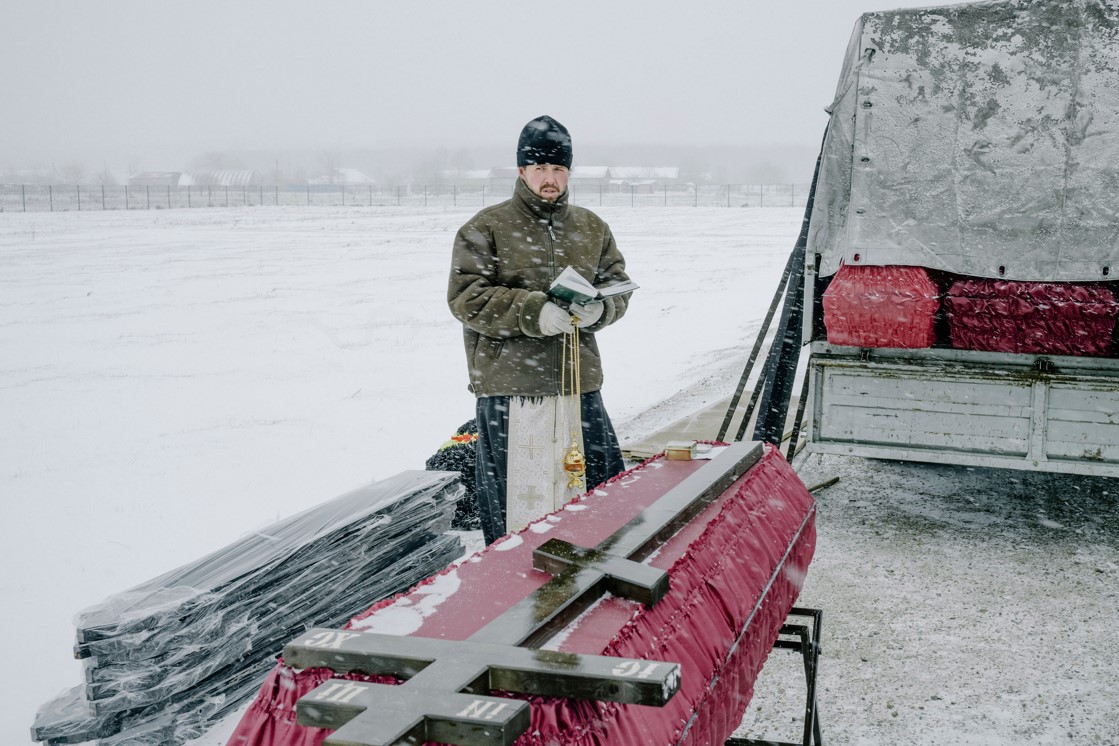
x=971 y=137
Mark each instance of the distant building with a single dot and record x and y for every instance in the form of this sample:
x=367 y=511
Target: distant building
x=504 y=173
x=351 y=176
x=642 y=179
x=343 y=177
x=590 y=173
x=464 y=175
x=587 y=179
x=220 y=178
x=30 y=176
x=154 y=178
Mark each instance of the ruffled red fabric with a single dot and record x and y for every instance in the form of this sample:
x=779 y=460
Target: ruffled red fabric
x=881 y=307
x=1031 y=317
x=735 y=571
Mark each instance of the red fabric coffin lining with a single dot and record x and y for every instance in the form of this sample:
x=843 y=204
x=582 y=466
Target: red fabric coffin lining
x=742 y=560
x=881 y=307
x=716 y=585
x=1031 y=317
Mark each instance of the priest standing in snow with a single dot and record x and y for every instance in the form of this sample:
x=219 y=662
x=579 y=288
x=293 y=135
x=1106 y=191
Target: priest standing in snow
x=504 y=260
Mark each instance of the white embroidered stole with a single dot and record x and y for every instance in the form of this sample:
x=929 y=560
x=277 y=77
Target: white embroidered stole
x=539 y=434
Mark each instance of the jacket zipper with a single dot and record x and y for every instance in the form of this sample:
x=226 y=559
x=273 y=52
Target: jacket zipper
x=557 y=358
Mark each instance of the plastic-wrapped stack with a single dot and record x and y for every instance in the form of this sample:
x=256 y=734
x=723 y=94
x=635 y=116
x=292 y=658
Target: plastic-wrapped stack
x=1031 y=317
x=164 y=659
x=735 y=572
x=881 y=307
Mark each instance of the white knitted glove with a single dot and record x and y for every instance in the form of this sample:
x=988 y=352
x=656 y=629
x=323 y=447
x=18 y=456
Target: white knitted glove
x=555 y=320
x=589 y=313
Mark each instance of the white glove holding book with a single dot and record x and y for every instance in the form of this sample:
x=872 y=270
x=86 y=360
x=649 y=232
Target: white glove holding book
x=555 y=320
x=587 y=313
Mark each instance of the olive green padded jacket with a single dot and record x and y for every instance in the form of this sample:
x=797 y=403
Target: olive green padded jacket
x=504 y=259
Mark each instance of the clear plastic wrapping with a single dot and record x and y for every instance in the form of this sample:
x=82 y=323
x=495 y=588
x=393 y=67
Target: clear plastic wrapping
x=165 y=657
x=881 y=307
x=1031 y=317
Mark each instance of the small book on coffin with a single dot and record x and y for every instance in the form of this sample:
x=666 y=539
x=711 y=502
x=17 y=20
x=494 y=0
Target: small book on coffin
x=572 y=287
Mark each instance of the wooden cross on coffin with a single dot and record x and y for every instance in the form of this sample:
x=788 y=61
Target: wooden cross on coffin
x=444 y=695
x=444 y=698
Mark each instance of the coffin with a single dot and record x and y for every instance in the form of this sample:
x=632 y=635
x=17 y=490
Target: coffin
x=734 y=571
x=1031 y=317
x=881 y=307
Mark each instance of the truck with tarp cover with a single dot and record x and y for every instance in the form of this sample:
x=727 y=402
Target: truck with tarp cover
x=961 y=247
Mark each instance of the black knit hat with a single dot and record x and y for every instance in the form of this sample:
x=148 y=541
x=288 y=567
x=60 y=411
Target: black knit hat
x=544 y=140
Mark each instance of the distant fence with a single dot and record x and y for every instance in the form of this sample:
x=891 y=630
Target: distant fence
x=36 y=198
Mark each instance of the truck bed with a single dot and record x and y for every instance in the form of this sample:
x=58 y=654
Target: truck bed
x=1044 y=413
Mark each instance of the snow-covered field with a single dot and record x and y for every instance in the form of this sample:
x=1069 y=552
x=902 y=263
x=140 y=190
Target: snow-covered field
x=171 y=380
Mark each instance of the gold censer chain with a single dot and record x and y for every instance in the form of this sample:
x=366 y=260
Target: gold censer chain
x=574 y=462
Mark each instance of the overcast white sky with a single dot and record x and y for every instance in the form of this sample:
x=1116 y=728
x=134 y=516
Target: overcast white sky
x=105 y=81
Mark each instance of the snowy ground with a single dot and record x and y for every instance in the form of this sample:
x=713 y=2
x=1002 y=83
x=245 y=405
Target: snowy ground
x=961 y=606
x=172 y=380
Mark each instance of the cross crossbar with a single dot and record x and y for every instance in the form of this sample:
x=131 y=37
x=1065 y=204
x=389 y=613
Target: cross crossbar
x=437 y=671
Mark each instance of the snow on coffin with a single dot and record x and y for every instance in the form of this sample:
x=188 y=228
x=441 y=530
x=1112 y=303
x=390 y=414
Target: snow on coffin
x=167 y=657
x=892 y=306
x=735 y=570
x=1056 y=318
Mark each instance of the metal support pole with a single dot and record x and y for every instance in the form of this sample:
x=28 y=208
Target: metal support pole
x=50 y=192
x=168 y=196
x=759 y=340
x=102 y=198
x=23 y=195
x=78 y=190
x=148 y=196
x=781 y=365
x=795 y=264
x=792 y=451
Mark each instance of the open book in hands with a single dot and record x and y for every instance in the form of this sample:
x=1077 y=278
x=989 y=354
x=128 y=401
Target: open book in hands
x=570 y=286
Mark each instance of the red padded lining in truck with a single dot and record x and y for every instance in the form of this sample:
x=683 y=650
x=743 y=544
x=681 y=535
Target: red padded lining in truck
x=881 y=307
x=1031 y=317
x=735 y=572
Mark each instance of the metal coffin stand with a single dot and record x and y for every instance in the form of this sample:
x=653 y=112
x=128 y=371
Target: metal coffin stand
x=805 y=640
